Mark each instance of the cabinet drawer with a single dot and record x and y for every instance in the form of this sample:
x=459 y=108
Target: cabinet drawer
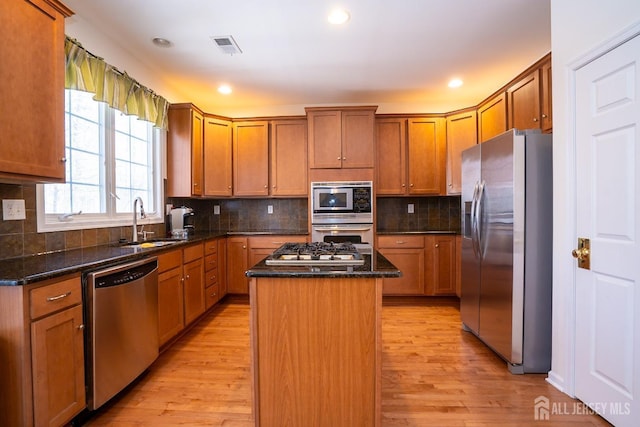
x=211 y=247
x=192 y=253
x=211 y=295
x=401 y=241
x=169 y=260
x=275 y=241
x=211 y=277
x=210 y=262
x=54 y=297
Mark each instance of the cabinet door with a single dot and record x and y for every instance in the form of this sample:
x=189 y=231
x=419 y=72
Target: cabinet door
x=57 y=356
x=441 y=257
x=545 y=102
x=251 y=158
x=461 y=134
x=524 y=103
x=391 y=156
x=32 y=76
x=289 y=158
x=194 y=303
x=217 y=157
x=170 y=304
x=237 y=261
x=492 y=117
x=358 y=135
x=324 y=138
x=197 y=135
x=427 y=150
x=411 y=262
x=184 y=151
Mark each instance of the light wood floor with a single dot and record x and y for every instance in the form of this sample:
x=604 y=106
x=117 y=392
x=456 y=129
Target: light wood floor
x=433 y=374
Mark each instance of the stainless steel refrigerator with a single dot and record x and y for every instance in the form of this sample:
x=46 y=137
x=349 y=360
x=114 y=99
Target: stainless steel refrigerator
x=506 y=247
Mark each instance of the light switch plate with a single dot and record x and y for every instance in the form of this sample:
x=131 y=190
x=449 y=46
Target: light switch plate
x=13 y=209
x=216 y=209
x=410 y=208
x=270 y=209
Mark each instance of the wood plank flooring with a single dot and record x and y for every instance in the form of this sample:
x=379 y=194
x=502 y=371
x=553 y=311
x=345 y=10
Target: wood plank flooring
x=433 y=374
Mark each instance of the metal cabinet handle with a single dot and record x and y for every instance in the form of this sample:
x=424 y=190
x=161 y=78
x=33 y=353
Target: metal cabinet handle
x=57 y=297
x=80 y=327
x=535 y=119
x=400 y=242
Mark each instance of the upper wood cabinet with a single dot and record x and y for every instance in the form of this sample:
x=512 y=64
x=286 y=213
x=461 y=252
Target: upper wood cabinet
x=251 y=158
x=426 y=140
x=32 y=87
x=492 y=117
x=461 y=134
x=217 y=157
x=185 y=151
x=288 y=164
x=523 y=100
x=391 y=156
x=545 y=103
x=341 y=138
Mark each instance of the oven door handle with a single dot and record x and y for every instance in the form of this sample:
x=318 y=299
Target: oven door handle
x=342 y=228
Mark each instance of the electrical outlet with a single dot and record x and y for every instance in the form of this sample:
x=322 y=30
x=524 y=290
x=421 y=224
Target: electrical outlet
x=270 y=209
x=216 y=209
x=13 y=209
x=410 y=208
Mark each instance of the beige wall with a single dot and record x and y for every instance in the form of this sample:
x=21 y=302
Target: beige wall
x=577 y=28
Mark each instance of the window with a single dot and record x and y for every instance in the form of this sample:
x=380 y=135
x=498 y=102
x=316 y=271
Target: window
x=112 y=158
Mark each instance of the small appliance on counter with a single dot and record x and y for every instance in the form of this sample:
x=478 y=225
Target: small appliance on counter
x=182 y=219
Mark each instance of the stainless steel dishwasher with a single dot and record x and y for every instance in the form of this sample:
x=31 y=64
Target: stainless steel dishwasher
x=122 y=315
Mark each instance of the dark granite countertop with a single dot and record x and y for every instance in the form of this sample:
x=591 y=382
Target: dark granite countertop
x=388 y=232
x=30 y=269
x=375 y=265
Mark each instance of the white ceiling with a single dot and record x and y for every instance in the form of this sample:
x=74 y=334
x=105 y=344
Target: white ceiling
x=396 y=54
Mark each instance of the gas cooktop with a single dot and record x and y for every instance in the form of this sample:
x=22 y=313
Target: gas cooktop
x=316 y=253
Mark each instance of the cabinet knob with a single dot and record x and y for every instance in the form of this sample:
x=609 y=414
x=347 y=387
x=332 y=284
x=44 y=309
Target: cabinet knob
x=81 y=327
x=338 y=158
x=344 y=158
x=544 y=116
x=535 y=119
x=244 y=247
x=213 y=277
x=63 y=160
x=266 y=186
x=188 y=277
x=229 y=187
x=437 y=245
x=213 y=294
x=404 y=185
x=195 y=184
x=410 y=185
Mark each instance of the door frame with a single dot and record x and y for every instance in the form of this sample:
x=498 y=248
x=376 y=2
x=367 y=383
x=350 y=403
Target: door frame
x=562 y=374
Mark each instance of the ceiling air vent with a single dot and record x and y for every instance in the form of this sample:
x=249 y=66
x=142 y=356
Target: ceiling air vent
x=227 y=44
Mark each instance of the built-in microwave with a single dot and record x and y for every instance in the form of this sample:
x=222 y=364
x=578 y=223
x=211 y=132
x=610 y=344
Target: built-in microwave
x=342 y=202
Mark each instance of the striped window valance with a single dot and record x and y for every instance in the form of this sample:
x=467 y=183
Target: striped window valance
x=89 y=73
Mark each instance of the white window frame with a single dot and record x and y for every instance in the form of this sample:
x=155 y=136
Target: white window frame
x=154 y=213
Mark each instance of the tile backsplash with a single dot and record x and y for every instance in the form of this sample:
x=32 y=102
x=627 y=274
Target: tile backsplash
x=20 y=237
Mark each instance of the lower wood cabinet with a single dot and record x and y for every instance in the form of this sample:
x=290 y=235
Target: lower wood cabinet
x=427 y=262
x=181 y=289
x=42 y=359
x=214 y=260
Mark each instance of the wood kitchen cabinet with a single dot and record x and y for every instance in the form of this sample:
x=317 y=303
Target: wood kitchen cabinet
x=42 y=369
x=545 y=102
x=185 y=144
x=215 y=286
x=341 y=138
x=492 y=117
x=251 y=158
x=288 y=165
x=523 y=100
x=181 y=285
x=237 y=265
x=440 y=251
x=217 y=157
x=461 y=134
x=32 y=146
x=427 y=144
x=194 y=284
x=391 y=156
x=411 y=154
x=407 y=253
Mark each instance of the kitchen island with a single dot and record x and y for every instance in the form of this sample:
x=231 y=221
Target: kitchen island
x=316 y=343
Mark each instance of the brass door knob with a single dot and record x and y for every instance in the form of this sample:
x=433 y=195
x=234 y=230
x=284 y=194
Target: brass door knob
x=581 y=254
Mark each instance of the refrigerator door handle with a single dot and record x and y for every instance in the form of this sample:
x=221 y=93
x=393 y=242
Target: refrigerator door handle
x=478 y=218
x=474 y=202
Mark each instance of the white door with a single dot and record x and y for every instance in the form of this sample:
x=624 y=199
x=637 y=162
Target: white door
x=608 y=213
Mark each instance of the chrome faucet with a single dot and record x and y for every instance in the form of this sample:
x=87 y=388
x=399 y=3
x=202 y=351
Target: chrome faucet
x=135 y=218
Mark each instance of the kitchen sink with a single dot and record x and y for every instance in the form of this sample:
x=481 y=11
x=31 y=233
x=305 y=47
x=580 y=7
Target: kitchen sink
x=151 y=243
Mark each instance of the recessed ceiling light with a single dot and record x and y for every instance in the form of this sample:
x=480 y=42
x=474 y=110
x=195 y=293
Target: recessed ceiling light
x=338 y=16
x=454 y=83
x=225 y=89
x=160 y=42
